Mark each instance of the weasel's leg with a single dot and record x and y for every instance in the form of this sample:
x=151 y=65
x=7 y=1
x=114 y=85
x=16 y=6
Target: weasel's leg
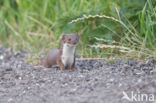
x=62 y=67
x=45 y=63
x=73 y=65
x=47 y=66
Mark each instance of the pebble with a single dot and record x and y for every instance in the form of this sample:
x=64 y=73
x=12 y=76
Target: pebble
x=92 y=81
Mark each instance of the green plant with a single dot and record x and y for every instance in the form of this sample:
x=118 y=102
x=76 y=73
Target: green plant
x=38 y=25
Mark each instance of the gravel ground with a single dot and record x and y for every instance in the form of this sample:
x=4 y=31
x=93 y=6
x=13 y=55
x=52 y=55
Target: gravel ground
x=93 y=81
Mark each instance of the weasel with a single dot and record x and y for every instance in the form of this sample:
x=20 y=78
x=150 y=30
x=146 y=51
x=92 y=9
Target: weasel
x=65 y=56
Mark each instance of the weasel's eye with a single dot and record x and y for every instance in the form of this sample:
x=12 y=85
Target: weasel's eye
x=69 y=39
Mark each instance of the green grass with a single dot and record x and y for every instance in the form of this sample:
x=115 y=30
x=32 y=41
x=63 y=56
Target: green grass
x=37 y=25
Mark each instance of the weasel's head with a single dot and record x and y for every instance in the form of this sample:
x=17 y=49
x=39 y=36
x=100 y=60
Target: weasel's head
x=70 y=40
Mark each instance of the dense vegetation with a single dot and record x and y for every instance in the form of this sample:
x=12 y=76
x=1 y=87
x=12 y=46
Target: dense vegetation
x=106 y=27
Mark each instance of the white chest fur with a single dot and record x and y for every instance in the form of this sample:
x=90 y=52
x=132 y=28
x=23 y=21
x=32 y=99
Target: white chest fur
x=68 y=53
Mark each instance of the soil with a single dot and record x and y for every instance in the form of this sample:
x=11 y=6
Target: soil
x=93 y=81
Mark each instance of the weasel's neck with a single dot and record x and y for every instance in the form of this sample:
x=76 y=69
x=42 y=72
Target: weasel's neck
x=68 y=50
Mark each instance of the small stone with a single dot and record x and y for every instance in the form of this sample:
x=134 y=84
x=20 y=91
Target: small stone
x=1 y=57
x=10 y=99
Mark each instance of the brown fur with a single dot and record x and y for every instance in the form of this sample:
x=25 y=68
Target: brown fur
x=54 y=56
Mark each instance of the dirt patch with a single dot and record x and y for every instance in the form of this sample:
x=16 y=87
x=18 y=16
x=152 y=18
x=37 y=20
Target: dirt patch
x=93 y=81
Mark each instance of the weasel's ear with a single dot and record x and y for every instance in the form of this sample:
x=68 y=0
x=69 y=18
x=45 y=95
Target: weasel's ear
x=63 y=37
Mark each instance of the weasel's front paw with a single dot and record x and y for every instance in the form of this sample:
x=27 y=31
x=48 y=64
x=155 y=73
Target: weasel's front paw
x=62 y=68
